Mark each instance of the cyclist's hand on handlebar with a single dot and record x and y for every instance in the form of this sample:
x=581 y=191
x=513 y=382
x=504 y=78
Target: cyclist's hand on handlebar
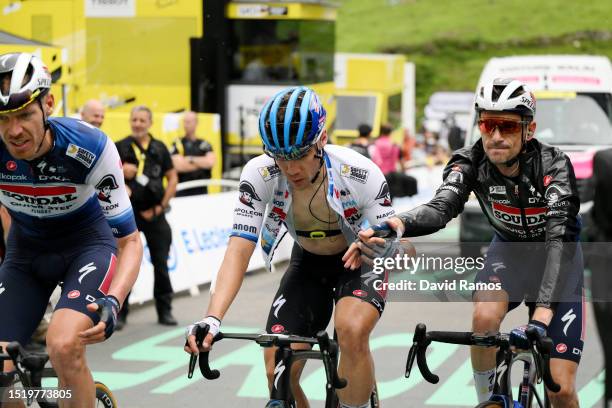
x=518 y=336
x=211 y=324
x=107 y=308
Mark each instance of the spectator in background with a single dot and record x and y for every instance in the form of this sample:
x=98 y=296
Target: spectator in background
x=600 y=260
x=93 y=113
x=385 y=153
x=146 y=161
x=408 y=146
x=362 y=144
x=192 y=157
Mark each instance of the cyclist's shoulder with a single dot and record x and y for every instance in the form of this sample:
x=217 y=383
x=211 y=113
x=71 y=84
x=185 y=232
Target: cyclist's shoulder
x=78 y=140
x=261 y=173
x=352 y=166
x=467 y=159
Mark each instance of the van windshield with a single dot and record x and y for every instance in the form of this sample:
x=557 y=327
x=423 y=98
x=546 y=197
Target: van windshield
x=579 y=120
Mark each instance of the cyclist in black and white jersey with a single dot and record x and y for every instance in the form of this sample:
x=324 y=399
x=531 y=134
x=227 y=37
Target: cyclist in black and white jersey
x=527 y=190
x=322 y=195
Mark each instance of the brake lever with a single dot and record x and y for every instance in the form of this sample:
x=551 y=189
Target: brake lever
x=200 y=334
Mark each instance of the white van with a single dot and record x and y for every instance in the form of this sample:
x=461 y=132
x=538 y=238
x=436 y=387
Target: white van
x=573 y=111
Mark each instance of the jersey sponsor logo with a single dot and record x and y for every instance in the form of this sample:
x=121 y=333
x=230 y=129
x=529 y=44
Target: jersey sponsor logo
x=455 y=177
x=13 y=177
x=547 y=180
x=512 y=215
x=86 y=270
x=80 y=154
x=497 y=189
x=494 y=200
x=11 y=165
x=277 y=214
x=248 y=194
x=105 y=187
x=354 y=173
x=553 y=193
x=568 y=318
x=42 y=195
x=450 y=188
x=269 y=172
x=2 y=288
x=247 y=213
x=383 y=194
x=385 y=215
x=246 y=228
x=73 y=294
x=561 y=348
x=352 y=215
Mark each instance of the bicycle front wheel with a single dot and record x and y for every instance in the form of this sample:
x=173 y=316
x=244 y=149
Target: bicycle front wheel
x=104 y=397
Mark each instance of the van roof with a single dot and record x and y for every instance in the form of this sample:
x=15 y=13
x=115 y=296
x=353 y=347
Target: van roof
x=579 y=73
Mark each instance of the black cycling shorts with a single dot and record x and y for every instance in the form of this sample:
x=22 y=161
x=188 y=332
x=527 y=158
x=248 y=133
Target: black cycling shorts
x=82 y=263
x=309 y=289
x=519 y=269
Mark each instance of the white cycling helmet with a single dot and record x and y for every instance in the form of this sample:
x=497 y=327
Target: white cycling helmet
x=24 y=78
x=506 y=95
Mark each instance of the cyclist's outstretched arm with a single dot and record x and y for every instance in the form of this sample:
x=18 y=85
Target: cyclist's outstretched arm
x=224 y=290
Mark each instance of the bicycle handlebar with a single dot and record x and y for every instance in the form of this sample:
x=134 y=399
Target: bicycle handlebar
x=540 y=349
x=328 y=351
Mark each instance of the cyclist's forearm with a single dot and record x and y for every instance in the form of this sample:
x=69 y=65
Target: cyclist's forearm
x=433 y=216
x=129 y=257
x=228 y=283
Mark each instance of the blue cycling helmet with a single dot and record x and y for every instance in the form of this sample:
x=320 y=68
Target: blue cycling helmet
x=291 y=122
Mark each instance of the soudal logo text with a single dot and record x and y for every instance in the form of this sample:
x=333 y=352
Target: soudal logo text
x=512 y=215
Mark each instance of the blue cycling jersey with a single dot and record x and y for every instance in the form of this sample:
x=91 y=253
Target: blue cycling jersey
x=79 y=181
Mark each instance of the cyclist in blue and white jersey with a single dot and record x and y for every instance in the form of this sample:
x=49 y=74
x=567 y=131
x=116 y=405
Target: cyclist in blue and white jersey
x=322 y=195
x=72 y=224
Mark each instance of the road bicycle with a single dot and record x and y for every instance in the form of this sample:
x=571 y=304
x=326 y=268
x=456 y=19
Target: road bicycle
x=27 y=377
x=280 y=394
x=536 y=364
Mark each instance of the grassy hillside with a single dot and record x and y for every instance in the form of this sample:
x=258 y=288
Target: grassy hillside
x=451 y=40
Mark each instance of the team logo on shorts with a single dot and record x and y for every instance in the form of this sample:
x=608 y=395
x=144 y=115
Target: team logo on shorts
x=11 y=165
x=278 y=328
x=73 y=294
x=360 y=293
x=561 y=348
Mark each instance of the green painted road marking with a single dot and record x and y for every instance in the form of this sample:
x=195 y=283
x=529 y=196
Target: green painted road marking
x=456 y=390
x=171 y=357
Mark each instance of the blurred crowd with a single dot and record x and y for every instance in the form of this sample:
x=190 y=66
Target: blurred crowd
x=396 y=160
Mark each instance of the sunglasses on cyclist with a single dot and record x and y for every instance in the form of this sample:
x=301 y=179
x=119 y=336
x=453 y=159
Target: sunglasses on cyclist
x=503 y=125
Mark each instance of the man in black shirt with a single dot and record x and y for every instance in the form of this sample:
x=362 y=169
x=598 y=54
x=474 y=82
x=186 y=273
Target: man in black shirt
x=146 y=161
x=362 y=144
x=192 y=157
